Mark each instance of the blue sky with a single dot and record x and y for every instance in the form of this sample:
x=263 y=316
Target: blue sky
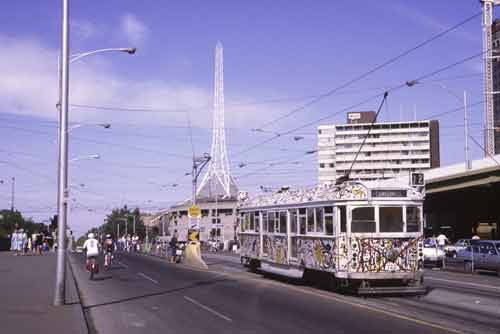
x=277 y=55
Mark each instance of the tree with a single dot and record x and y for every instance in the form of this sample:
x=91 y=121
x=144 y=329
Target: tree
x=12 y=220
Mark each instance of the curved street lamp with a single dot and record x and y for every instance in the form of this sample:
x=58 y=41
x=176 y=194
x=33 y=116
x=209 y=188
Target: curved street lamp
x=63 y=104
x=412 y=83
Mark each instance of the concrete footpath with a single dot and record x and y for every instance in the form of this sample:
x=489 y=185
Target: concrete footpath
x=26 y=296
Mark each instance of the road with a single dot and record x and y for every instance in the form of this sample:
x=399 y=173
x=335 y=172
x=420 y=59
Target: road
x=143 y=294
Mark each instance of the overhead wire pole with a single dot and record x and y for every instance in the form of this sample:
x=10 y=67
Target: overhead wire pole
x=60 y=291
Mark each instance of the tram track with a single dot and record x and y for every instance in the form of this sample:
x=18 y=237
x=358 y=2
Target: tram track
x=457 y=317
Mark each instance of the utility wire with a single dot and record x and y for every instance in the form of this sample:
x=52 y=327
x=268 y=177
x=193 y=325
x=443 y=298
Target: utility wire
x=395 y=88
x=373 y=70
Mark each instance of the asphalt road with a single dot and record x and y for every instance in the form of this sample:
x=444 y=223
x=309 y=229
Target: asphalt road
x=143 y=294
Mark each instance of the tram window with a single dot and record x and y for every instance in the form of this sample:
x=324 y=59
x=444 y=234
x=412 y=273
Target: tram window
x=302 y=211
x=391 y=219
x=264 y=221
x=329 y=224
x=293 y=221
x=270 y=224
x=310 y=220
x=251 y=223
x=276 y=222
x=363 y=220
x=245 y=222
x=328 y=209
x=257 y=221
x=412 y=219
x=283 y=219
x=319 y=220
x=302 y=224
x=343 y=219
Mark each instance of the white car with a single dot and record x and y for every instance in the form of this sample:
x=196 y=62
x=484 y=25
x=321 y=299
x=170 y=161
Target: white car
x=461 y=244
x=432 y=253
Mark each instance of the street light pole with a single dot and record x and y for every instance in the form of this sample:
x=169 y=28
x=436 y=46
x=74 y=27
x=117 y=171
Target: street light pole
x=63 y=192
x=412 y=83
x=60 y=291
x=12 y=194
x=466 y=133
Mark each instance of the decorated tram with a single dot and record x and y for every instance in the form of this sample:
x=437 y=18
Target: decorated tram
x=364 y=236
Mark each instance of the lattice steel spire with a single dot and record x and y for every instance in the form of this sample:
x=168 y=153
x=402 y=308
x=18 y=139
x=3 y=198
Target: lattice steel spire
x=218 y=182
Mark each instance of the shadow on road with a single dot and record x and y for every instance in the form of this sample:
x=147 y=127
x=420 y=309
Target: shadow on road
x=160 y=293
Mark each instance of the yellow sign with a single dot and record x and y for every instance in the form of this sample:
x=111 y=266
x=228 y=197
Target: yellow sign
x=194 y=211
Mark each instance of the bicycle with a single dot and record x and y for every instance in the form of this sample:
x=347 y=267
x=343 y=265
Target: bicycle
x=93 y=267
x=108 y=257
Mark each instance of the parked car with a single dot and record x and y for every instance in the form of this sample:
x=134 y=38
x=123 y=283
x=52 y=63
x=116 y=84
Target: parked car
x=432 y=253
x=461 y=244
x=482 y=255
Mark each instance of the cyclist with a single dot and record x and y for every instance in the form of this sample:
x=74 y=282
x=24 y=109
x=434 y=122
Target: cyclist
x=92 y=249
x=108 y=248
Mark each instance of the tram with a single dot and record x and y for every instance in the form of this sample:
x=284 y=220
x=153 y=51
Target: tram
x=365 y=236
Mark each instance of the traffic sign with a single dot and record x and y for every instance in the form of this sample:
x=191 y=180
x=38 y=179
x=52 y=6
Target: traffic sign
x=194 y=211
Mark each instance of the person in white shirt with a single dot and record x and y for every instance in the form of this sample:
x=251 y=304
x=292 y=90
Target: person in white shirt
x=441 y=240
x=91 y=245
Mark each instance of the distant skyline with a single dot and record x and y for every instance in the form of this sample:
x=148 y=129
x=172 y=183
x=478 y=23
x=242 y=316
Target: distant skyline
x=278 y=56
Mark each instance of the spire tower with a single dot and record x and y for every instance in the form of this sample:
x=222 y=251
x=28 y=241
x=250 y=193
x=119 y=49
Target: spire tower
x=217 y=182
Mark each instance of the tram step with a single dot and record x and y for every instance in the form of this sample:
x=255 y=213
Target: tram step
x=389 y=290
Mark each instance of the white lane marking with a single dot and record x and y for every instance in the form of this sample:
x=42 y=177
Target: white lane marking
x=148 y=278
x=122 y=264
x=463 y=283
x=206 y=308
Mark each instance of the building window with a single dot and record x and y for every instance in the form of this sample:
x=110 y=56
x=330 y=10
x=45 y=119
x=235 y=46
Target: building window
x=331 y=165
x=321 y=165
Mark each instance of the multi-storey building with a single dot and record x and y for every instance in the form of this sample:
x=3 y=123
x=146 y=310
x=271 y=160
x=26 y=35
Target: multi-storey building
x=218 y=220
x=391 y=149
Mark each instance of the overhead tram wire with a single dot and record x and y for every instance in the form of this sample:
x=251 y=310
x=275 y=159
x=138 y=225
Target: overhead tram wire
x=362 y=102
x=373 y=70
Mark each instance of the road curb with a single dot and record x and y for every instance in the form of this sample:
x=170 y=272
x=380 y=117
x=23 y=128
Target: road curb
x=89 y=322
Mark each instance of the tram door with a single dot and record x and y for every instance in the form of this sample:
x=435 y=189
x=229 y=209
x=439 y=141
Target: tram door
x=343 y=241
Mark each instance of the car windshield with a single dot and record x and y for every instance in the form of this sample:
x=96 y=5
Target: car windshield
x=429 y=243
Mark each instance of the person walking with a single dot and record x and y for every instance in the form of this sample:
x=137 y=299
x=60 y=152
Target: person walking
x=13 y=237
x=39 y=243
x=441 y=241
x=173 y=246
x=24 y=242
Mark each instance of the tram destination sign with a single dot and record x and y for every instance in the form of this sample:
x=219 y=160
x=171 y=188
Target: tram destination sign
x=389 y=193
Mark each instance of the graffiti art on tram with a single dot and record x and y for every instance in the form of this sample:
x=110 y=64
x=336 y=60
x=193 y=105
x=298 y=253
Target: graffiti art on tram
x=250 y=245
x=379 y=254
x=278 y=249
x=317 y=253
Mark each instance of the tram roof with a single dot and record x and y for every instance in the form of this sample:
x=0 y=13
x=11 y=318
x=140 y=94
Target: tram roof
x=352 y=190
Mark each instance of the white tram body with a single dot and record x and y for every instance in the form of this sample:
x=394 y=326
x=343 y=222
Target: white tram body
x=366 y=236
